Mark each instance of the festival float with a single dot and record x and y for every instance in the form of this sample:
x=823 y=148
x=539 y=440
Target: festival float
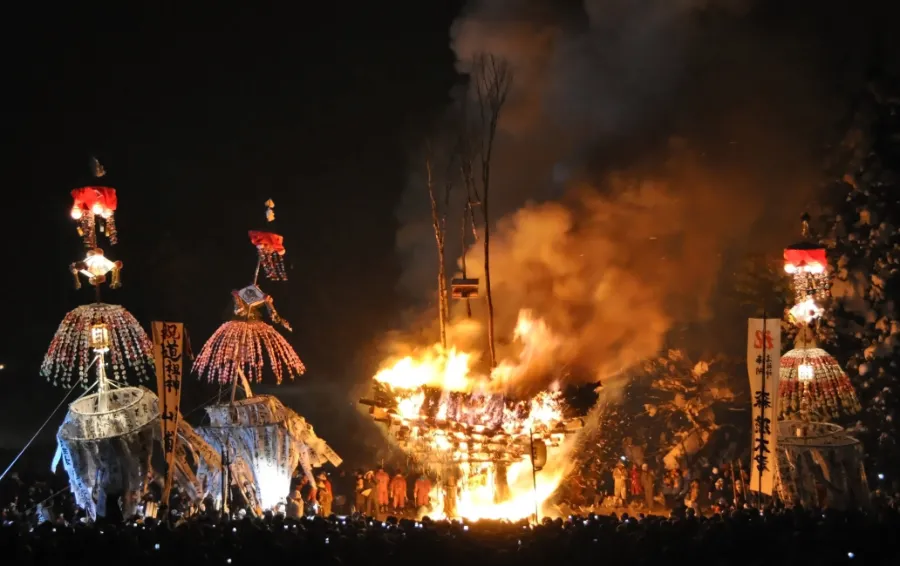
x=107 y=438
x=814 y=455
x=496 y=457
x=262 y=441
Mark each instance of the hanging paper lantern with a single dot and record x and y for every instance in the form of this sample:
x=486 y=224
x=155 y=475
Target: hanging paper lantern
x=270 y=248
x=808 y=266
x=93 y=205
x=250 y=299
x=813 y=384
x=240 y=344
x=70 y=351
x=96 y=267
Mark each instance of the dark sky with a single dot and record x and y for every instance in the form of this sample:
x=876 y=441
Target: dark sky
x=198 y=119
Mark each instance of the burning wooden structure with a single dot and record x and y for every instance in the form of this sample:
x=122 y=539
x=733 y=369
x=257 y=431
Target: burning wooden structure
x=457 y=428
x=461 y=425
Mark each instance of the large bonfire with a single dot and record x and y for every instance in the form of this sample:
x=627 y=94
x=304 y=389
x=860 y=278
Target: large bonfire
x=497 y=457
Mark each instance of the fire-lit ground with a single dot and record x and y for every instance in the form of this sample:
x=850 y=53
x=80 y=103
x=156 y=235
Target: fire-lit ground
x=461 y=427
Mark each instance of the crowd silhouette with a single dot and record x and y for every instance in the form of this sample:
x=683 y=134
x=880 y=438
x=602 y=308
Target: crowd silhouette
x=773 y=536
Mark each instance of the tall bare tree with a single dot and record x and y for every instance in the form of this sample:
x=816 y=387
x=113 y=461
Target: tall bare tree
x=491 y=82
x=465 y=158
x=439 y=223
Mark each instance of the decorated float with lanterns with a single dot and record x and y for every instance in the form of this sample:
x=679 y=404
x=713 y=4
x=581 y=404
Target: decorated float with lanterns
x=107 y=438
x=818 y=461
x=260 y=439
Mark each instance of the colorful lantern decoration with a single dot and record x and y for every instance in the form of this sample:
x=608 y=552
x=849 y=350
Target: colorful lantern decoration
x=235 y=350
x=239 y=345
x=70 y=350
x=96 y=267
x=814 y=387
x=270 y=248
x=94 y=207
x=807 y=263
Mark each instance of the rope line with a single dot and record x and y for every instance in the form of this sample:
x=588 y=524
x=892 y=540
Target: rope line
x=16 y=459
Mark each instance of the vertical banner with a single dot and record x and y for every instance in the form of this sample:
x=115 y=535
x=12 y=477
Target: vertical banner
x=763 y=361
x=168 y=351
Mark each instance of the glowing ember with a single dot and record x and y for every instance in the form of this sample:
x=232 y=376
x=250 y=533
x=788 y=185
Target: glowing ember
x=459 y=424
x=240 y=344
x=70 y=349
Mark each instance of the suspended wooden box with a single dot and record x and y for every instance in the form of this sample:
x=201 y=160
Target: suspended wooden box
x=464 y=288
x=538 y=455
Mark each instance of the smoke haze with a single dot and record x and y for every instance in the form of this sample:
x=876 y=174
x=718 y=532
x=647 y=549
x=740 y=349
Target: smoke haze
x=643 y=143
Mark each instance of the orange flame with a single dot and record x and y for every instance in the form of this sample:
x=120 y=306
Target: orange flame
x=472 y=433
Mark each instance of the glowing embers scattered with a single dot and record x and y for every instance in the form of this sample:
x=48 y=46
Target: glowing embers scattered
x=96 y=267
x=70 y=350
x=93 y=205
x=240 y=344
x=814 y=387
x=270 y=247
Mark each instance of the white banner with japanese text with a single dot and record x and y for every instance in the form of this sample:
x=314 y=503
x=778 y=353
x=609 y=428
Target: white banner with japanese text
x=168 y=353
x=763 y=361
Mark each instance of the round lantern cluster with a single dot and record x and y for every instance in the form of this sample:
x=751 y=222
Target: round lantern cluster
x=814 y=385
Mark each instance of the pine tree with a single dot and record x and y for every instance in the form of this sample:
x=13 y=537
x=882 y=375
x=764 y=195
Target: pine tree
x=862 y=325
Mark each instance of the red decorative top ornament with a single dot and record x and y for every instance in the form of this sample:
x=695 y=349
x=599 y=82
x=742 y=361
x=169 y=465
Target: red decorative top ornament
x=804 y=258
x=271 y=243
x=270 y=247
x=807 y=264
x=94 y=206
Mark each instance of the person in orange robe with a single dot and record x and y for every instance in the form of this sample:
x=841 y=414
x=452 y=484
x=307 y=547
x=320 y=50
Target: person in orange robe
x=382 y=479
x=398 y=492
x=636 y=489
x=422 y=491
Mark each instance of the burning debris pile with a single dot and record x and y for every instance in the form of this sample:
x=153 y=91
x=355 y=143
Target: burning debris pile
x=461 y=426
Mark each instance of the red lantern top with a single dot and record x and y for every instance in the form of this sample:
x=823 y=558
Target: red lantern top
x=99 y=201
x=805 y=258
x=268 y=242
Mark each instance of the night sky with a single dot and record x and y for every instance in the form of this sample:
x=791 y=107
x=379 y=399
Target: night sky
x=199 y=116
x=198 y=119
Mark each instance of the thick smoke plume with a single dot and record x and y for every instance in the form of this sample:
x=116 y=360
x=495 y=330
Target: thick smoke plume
x=643 y=144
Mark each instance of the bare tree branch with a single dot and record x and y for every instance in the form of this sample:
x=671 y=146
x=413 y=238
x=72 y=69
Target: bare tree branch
x=492 y=77
x=439 y=225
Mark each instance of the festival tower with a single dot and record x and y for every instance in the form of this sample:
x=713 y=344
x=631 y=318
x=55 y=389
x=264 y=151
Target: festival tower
x=107 y=438
x=261 y=441
x=816 y=458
